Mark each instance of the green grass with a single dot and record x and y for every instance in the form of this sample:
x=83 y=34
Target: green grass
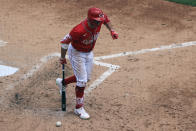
x=185 y=2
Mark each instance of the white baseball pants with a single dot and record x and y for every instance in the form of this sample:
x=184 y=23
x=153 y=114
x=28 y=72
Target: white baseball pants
x=82 y=65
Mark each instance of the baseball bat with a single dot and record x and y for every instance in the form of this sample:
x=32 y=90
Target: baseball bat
x=63 y=99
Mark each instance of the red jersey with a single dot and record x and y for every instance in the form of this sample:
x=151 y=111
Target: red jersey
x=82 y=37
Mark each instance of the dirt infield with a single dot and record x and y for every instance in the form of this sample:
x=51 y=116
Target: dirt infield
x=153 y=91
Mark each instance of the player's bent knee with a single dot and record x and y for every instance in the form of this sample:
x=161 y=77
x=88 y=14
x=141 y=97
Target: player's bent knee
x=81 y=84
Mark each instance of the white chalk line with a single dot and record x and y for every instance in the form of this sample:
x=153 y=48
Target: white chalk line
x=113 y=68
x=165 y=47
x=43 y=60
x=96 y=83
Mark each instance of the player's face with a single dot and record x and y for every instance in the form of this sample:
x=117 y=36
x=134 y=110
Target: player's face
x=94 y=23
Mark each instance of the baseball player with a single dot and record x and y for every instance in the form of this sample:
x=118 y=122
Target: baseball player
x=80 y=43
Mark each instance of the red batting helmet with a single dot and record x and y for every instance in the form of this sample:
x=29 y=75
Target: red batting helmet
x=95 y=14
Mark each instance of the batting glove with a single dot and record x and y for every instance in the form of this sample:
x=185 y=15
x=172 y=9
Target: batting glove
x=114 y=34
x=63 y=61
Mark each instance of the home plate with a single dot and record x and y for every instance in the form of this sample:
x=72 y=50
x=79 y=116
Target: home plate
x=7 y=70
x=2 y=43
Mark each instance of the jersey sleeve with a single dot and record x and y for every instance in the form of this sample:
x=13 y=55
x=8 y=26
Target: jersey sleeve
x=66 y=40
x=106 y=19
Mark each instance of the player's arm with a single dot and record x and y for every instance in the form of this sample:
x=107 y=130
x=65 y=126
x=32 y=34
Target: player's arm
x=108 y=24
x=64 y=46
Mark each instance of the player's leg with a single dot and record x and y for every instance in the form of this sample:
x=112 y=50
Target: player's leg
x=81 y=75
x=78 y=60
x=79 y=110
x=88 y=64
x=78 y=65
x=70 y=79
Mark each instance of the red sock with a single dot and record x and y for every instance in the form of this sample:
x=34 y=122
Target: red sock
x=70 y=79
x=79 y=96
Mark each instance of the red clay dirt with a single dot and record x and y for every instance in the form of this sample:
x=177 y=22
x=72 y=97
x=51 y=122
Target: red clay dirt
x=155 y=91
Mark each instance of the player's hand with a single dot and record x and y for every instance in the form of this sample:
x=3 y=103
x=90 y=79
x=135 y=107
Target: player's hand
x=114 y=34
x=63 y=60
